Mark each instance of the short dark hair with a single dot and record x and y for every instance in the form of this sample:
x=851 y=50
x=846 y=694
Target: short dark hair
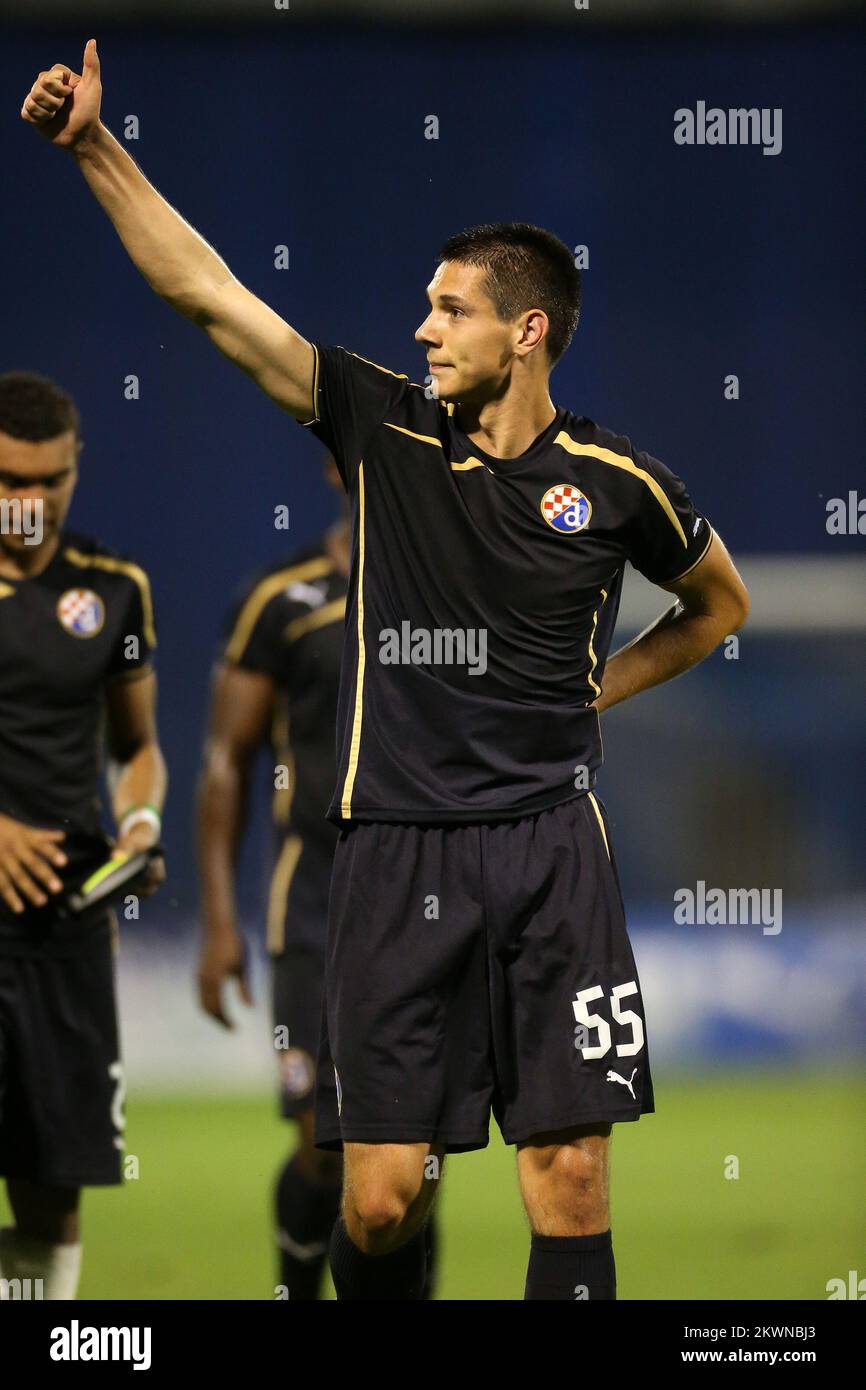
x=526 y=268
x=34 y=408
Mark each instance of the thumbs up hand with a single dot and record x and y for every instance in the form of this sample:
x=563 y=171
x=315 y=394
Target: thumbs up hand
x=64 y=105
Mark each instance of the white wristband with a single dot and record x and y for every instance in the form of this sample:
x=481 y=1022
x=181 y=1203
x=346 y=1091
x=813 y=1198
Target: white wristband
x=140 y=815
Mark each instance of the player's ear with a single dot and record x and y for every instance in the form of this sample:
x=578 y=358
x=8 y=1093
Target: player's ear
x=537 y=325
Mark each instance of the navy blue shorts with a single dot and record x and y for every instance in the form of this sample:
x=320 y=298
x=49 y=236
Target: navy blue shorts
x=473 y=968
x=297 y=930
x=61 y=1080
x=298 y=977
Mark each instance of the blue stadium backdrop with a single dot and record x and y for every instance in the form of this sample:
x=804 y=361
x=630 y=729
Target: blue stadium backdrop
x=702 y=263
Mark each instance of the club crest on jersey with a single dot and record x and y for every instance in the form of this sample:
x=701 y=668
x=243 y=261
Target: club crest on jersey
x=81 y=612
x=565 y=508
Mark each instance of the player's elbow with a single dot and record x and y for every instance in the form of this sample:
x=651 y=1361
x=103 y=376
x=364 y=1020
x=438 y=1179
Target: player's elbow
x=193 y=304
x=199 y=299
x=728 y=613
x=726 y=603
x=738 y=604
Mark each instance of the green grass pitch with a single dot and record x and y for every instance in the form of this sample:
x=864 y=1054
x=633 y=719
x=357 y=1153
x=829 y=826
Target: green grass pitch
x=196 y=1222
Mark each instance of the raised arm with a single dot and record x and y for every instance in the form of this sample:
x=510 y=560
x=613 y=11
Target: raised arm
x=178 y=263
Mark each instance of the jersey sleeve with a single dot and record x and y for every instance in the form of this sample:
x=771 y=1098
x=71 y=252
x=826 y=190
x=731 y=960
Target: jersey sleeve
x=252 y=632
x=136 y=643
x=351 y=397
x=667 y=535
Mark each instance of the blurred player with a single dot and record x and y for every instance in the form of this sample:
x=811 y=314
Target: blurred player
x=76 y=636
x=278 y=680
x=477 y=948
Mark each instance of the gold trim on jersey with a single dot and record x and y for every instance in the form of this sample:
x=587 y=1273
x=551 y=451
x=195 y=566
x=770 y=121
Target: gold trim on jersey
x=697 y=561
x=318 y=617
x=281 y=802
x=263 y=592
x=401 y=376
x=593 y=657
x=465 y=466
x=278 y=897
x=355 y=743
x=424 y=438
x=131 y=570
x=594 y=804
x=314 y=388
x=628 y=466
x=6 y=590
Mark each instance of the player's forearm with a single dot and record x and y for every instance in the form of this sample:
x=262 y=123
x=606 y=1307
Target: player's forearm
x=671 y=645
x=141 y=780
x=175 y=260
x=221 y=820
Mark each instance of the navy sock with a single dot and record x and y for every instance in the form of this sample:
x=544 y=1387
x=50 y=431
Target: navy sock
x=431 y=1246
x=306 y=1213
x=571 y=1268
x=356 y=1275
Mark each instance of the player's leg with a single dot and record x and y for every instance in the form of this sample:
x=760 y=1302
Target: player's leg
x=44 y=1241
x=307 y=1201
x=565 y=1184
x=432 y=1248
x=379 y=1245
x=569 y=1034
x=44 y=1244
x=388 y=1193
x=406 y=1047
x=62 y=1115
x=307 y=1191
x=45 y=1213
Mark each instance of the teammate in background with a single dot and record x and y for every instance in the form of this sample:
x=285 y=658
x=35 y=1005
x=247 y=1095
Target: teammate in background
x=76 y=637
x=278 y=682
x=478 y=955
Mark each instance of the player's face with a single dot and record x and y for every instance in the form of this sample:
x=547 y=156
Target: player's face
x=37 y=481
x=469 y=348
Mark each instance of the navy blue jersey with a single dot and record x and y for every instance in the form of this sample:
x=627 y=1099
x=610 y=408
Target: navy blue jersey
x=85 y=621
x=482 y=599
x=288 y=624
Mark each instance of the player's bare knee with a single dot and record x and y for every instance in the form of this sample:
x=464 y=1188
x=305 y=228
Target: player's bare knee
x=386 y=1196
x=377 y=1212
x=580 y=1167
x=576 y=1162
